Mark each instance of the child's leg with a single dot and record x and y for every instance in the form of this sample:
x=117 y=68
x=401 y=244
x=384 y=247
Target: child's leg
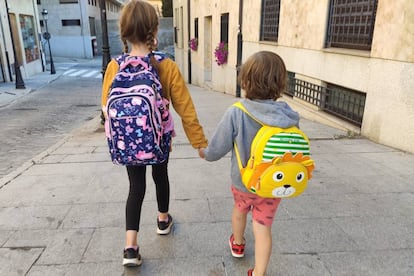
x=131 y=238
x=262 y=248
x=162 y=186
x=239 y=216
x=263 y=213
x=238 y=223
x=137 y=187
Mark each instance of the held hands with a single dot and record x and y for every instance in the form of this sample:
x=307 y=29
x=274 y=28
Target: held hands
x=201 y=153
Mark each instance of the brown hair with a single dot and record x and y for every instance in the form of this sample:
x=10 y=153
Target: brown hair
x=263 y=76
x=138 y=24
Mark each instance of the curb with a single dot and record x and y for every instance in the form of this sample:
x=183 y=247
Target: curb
x=86 y=127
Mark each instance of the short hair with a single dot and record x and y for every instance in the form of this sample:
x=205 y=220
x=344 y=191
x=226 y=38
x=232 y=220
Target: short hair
x=263 y=76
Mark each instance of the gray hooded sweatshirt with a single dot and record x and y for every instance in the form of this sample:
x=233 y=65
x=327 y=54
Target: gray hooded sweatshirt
x=237 y=126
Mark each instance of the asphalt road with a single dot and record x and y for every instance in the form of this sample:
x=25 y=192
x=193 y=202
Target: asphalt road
x=44 y=116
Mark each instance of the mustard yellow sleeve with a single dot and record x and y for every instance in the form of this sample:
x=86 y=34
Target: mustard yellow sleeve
x=111 y=70
x=176 y=91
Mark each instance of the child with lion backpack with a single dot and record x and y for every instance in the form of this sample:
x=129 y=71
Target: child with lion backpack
x=263 y=77
x=138 y=26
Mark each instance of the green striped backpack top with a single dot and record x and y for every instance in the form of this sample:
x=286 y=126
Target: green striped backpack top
x=279 y=165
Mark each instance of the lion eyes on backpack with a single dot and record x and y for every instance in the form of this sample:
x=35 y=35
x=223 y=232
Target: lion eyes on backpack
x=300 y=176
x=278 y=176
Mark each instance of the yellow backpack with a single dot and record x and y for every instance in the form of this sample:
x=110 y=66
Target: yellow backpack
x=279 y=165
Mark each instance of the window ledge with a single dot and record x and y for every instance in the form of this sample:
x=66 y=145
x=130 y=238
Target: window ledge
x=273 y=43
x=349 y=52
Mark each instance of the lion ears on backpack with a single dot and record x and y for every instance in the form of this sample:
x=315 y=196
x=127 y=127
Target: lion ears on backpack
x=304 y=160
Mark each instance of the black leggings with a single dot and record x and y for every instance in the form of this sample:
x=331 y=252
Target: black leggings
x=137 y=186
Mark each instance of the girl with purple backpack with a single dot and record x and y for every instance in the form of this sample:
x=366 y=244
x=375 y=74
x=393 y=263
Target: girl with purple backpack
x=138 y=27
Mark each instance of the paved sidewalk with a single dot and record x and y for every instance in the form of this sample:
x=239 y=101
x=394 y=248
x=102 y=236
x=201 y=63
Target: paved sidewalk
x=62 y=212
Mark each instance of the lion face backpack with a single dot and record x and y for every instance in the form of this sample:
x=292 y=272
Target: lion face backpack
x=279 y=165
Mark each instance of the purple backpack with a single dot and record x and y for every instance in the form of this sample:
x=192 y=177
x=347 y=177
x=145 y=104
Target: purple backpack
x=139 y=125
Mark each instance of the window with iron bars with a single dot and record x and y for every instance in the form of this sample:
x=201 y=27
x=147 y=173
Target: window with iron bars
x=351 y=24
x=345 y=103
x=269 y=26
x=224 y=27
x=290 y=89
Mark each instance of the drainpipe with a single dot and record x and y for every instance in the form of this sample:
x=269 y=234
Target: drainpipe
x=239 y=47
x=189 y=35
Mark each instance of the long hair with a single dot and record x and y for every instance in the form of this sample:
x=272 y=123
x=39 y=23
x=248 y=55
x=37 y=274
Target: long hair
x=139 y=24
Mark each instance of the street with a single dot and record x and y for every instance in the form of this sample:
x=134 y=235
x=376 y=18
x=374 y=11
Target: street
x=42 y=117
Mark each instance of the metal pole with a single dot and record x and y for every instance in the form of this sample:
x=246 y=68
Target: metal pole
x=106 y=56
x=239 y=47
x=189 y=35
x=19 y=78
x=47 y=34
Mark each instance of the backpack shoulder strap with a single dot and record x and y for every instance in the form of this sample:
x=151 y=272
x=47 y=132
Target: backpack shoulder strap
x=236 y=150
x=241 y=106
x=159 y=56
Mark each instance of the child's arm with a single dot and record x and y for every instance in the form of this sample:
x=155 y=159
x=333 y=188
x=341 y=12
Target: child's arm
x=175 y=90
x=222 y=141
x=201 y=153
x=110 y=72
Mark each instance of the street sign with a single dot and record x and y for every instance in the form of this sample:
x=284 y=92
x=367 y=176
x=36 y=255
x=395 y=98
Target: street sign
x=46 y=35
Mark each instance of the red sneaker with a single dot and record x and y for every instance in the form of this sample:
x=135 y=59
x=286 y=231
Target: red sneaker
x=250 y=272
x=237 y=250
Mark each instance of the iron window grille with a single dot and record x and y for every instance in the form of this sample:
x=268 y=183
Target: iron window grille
x=351 y=24
x=196 y=27
x=290 y=90
x=269 y=26
x=341 y=102
x=224 y=28
x=345 y=103
x=308 y=92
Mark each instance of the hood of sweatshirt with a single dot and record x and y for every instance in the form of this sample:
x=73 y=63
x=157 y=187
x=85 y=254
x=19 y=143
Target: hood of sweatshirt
x=273 y=113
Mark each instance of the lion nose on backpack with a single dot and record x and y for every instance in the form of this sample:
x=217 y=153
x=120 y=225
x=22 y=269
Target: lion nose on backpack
x=286 y=186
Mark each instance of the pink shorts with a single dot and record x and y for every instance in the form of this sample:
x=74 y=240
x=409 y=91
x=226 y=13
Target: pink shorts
x=263 y=209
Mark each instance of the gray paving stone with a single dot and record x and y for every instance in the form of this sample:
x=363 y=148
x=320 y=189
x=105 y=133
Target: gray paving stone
x=32 y=217
x=320 y=206
x=82 y=269
x=370 y=263
x=16 y=261
x=74 y=150
x=379 y=233
x=4 y=236
x=198 y=180
x=65 y=169
x=95 y=215
x=86 y=157
x=385 y=204
x=200 y=239
x=280 y=265
x=208 y=266
x=32 y=238
x=106 y=245
x=68 y=246
x=308 y=236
